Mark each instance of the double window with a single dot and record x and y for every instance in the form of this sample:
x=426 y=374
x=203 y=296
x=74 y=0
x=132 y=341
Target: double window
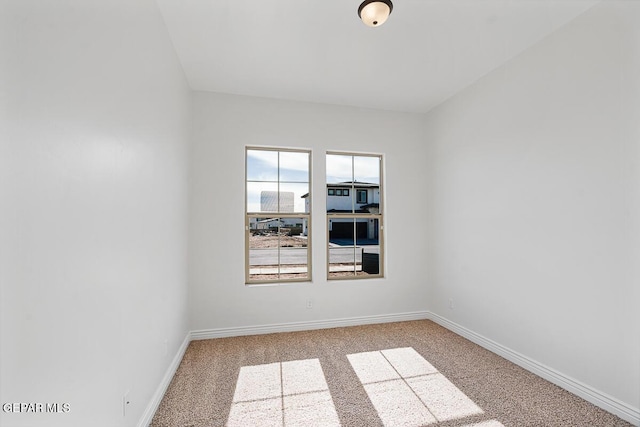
x=338 y=192
x=278 y=215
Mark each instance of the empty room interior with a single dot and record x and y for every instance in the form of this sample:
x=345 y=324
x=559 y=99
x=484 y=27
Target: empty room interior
x=238 y=212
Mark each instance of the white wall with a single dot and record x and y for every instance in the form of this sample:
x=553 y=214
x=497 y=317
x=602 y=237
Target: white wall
x=530 y=184
x=535 y=214
x=93 y=208
x=223 y=125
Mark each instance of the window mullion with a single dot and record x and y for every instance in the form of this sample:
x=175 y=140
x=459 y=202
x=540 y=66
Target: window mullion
x=353 y=185
x=279 y=244
x=279 y=219
x=355 y=247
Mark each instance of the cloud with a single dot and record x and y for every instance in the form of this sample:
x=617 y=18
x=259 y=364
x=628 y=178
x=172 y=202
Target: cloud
x=347 y=168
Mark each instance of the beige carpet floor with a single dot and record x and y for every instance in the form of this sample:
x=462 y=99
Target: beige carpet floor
x=405 y=374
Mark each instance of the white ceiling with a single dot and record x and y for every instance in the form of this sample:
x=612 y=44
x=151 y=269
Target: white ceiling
x=319 y=51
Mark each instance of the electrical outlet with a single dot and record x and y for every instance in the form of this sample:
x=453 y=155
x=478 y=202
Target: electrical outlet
x=451 y=303
x=166 y=347
x=309 y=303
x=126 y=402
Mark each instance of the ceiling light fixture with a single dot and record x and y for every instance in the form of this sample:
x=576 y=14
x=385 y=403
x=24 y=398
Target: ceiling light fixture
x=375 y=12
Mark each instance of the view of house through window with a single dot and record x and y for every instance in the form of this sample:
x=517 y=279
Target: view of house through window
x=278 y=215
x=354 y=215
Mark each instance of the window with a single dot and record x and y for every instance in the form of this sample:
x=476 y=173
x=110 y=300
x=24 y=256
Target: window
x=362 y=196
x=355 y=224
x=278 y=215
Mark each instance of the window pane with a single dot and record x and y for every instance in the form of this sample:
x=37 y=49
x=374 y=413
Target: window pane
x=342 y=251
x=339 y=168
x=291 y=199
x=262 y=197
x=294 y=167
x=277 y=249
x=368 y=245
x=263 y=249
x=366 y=169
x=262 y=165
x=293 y=249
x=339 y=171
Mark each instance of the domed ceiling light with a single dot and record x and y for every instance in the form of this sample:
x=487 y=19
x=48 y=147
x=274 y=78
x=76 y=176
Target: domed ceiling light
x=375 y=12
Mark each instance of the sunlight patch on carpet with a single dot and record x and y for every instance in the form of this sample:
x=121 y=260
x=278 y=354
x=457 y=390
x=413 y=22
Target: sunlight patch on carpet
x=406 y=390
x=289 y=394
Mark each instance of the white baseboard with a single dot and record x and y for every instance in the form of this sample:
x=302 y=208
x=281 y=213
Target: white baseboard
x=153 y=405
x=306 y=326
x=602 y=400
